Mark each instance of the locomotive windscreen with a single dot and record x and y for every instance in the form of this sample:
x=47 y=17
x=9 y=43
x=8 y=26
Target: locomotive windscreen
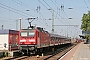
x=23 y=33
x=27 y=33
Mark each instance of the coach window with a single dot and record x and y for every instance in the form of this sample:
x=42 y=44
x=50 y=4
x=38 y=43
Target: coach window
x=52 y=38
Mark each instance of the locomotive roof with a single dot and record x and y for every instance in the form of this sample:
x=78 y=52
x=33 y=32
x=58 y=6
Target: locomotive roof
x=56 y=35
x=38 y=28
x=27 y=29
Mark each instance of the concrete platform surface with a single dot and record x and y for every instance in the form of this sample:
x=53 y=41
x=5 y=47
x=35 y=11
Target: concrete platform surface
x=79 y=52
x=83 y=53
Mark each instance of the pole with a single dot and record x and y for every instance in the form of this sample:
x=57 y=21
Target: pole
x=16 y=24
x=52 y=21
x=2 y=27
x=67 y=32
x=20 y=23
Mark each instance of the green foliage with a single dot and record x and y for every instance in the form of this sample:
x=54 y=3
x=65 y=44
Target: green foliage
x=5 y=54
x=85 y=26
x=87 y=37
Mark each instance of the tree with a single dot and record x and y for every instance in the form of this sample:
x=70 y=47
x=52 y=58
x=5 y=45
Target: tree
x=85 y=26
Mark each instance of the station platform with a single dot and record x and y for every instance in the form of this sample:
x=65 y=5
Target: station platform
x=79 y=52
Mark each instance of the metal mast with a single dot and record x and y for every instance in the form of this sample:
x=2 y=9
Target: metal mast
x=52 y=21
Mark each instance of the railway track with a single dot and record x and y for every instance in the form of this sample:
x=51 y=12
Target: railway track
x=15 y=58
x=48 y=56
x=55 y=55
x=58 y=54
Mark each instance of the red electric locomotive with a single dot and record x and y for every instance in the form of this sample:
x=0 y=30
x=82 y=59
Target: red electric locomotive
x=32 y=39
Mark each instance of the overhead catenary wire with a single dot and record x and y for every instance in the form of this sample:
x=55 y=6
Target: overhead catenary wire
x=57 y=9
x=44 y=6
x=47 y=4
x=54 y=3
x=62 y=10
x=49 y=7
x=13 y=10
x=25 y=5
x=56 y=6
x=86 y=4
x=52 y=9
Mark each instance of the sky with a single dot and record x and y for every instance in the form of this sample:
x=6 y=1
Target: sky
x=11 y=11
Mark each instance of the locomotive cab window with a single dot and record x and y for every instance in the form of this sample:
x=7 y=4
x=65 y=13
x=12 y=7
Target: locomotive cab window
x=27 y=33
x=31 y=33
x=23 y=34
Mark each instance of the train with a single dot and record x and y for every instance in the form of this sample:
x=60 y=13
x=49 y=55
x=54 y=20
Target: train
x=36 y=39
x=33 y=40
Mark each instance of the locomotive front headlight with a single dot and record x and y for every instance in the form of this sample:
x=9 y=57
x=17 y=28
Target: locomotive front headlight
x=32 y=40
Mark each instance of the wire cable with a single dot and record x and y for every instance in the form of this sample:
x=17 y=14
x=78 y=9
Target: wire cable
x=12 y=11
x=86 y=4
x=21 y=3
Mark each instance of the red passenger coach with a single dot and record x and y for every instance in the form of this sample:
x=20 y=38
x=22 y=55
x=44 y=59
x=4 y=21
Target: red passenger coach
x=32 y=39
x=8 y=40
x=55 y=39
